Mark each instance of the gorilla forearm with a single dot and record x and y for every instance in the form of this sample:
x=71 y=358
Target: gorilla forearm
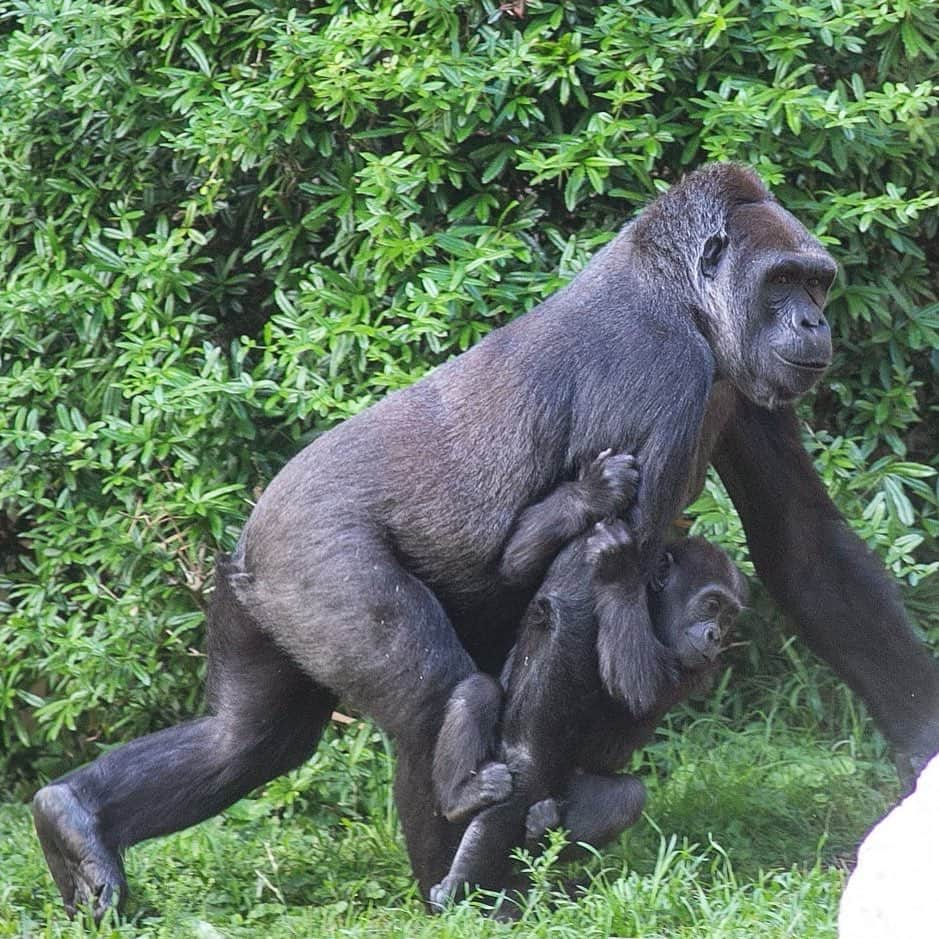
x=825 y=578
x=850 y=614
x=633 y=664
x=630 y=657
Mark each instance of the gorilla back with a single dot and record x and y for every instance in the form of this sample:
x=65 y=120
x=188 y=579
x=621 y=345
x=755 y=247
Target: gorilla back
x=366 y=570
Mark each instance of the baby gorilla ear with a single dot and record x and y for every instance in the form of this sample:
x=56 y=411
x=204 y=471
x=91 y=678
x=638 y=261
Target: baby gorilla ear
x=741 y=588
x=660 y=575
x=545 y=611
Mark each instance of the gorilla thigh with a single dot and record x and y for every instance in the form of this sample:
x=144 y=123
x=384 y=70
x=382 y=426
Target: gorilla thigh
x=284 y=645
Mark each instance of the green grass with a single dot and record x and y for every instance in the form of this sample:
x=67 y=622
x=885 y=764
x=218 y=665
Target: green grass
x=757 y=796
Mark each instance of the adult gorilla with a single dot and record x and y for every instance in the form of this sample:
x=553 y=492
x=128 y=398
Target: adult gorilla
x=370 y=568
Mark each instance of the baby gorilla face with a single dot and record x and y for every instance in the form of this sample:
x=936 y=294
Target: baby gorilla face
x=698 y=632
x=699 y=644
x=694 y=598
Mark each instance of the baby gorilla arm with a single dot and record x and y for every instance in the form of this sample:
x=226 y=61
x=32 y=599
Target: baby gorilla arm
x=605 y=488
x=630 y=657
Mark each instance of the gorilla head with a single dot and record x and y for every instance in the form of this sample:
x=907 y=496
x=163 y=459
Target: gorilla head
x=694 y=598
x=759 y=279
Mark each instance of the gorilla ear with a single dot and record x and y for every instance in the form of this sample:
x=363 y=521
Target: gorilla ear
x=546 y=611
x=712 y=253
x=660 y=574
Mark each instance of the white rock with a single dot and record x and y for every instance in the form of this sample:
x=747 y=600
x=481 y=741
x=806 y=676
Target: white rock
x=894 y=891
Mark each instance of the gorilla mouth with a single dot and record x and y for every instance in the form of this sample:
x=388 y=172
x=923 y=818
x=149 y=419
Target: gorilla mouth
x=810 y=365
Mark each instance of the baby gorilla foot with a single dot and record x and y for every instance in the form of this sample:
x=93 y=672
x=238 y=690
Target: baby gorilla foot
x=86 y=871
x=541 y=816
x=494 y=783
x=491 y=783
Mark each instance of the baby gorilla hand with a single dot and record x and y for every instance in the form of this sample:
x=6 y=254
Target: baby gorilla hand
x=608 y=485
x=611 y=550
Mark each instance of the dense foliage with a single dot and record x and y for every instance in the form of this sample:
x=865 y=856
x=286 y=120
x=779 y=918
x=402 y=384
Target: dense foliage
x=226 y=226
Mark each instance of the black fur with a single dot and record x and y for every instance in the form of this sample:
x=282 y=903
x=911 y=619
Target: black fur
x=563 y=736
x=368 y=569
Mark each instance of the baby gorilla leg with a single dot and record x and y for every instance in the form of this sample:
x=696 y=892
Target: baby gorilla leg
x=467 y=777
x=541 y=816
x=595 y=810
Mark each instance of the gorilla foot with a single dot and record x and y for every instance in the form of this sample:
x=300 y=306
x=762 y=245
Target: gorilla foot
x=491 y=783
x=494 y=782
x=507 y=906
x=86 y=871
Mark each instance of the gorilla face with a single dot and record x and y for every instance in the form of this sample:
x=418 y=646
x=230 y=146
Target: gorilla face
x=695 y=595
x=765 y=282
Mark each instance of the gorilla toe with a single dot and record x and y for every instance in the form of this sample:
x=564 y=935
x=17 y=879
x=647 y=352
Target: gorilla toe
x=441 y=895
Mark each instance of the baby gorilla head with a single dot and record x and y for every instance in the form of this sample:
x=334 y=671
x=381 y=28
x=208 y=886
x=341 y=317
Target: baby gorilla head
x=694 y=598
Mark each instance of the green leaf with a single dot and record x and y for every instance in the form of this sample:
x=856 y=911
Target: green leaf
x=195 y=50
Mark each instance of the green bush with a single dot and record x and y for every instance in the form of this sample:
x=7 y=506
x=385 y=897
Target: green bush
x=226 y=226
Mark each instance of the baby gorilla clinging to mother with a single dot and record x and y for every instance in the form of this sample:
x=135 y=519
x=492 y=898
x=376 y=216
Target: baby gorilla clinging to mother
x=563 y=736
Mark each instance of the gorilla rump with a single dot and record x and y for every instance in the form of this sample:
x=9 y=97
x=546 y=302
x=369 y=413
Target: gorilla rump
x=563 y=739
x=367 y=570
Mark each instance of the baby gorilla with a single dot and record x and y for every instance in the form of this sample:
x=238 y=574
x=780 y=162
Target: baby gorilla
x=563 y=736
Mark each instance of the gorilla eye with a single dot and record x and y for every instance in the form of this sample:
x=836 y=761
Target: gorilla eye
x=781 y=279
x=813 y=282
x=712 y=606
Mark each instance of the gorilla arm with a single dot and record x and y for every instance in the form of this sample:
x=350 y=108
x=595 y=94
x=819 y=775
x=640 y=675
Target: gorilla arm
x=635 y=667
x=825 y=578
x=606 y=487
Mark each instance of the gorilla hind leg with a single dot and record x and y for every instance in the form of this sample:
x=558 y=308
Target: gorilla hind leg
x=466 y=775
x=265 y=717
x=359 y=622
x=596 y=810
